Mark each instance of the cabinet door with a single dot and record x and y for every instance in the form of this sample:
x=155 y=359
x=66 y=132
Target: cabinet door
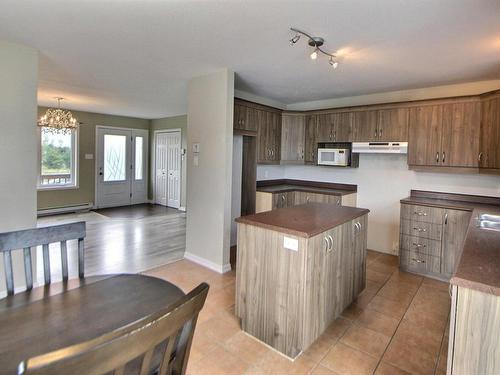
x=292 y=137
x=424 y=141
x=251 y=119
x=454 y=231
x=310 y=142
x=263 y=153
x=324 y=130
x=392 y=125
x=346 y=261
x=333 y=199
x=460 y=140
x=359 y=250
x=239 y=116
x=342 y=127
x=280 y=200
x=275 y=137
x=365 y=126
x=489 y=156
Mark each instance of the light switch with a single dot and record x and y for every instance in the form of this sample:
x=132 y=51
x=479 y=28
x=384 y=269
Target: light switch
x=89 y=156
x=196 y=147
x=290 y=243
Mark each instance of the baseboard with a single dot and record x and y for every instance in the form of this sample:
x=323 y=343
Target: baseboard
x=182 y=208
x=207 y=263
x=65 y=209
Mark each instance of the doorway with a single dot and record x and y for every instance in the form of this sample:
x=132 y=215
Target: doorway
x=167 y=168
x=121 y=166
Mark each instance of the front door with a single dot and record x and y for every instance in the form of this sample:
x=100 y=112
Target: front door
x=168 y=168
x=121 y=167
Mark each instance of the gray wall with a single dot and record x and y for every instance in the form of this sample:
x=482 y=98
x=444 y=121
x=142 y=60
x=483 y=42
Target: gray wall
x=210 y=123
x=177 y=122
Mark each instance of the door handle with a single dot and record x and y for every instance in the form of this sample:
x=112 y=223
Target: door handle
x=480 y=157
x=437 y=157
x=444 y=157
x=327 y=243
x=331 y=242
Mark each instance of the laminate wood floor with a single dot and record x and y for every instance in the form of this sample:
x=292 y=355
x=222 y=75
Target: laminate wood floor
x=397 y=325
x=121 y=240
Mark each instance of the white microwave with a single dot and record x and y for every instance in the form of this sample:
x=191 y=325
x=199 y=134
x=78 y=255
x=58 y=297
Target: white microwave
x=334 y=156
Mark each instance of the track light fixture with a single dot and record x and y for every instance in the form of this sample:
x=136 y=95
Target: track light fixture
x=315 y=42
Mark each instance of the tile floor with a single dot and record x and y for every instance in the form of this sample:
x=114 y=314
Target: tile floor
x=398 y=325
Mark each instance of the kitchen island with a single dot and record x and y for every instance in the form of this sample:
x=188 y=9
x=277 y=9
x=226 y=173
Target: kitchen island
x=297 y=269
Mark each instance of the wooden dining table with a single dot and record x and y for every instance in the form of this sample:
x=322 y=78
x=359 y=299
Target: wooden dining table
x=62 y=314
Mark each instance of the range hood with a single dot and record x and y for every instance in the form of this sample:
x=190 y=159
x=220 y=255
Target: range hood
x=380 y=147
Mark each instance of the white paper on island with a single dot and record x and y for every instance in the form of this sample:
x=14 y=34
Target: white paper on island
x=290 y=243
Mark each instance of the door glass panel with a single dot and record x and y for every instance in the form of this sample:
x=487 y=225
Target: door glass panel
x=115 y=147
x=138 y=158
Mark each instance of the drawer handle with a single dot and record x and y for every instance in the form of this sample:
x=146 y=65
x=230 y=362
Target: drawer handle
x=418 y=260
x=420 y=213
x=418 y=245
x=420 y=229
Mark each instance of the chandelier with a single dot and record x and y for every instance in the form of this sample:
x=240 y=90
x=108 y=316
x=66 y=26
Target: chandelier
x=315 y=42
x=58 y=120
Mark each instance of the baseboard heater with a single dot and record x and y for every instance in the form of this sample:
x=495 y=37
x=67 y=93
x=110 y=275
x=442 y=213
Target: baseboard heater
x=65 y=209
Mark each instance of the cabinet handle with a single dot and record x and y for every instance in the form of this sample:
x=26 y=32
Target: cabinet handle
x=418 y=245
x=380 y=133
x=480 y=157
x=437 y=157
x=338 y=201
x=449 y=290
x=446 y=218
x=335 y=135
x=420 y=229
x=327 y=243
x=444 y=157
x=418 y=260
x=307 y=199
x=283 y=198
x=375 y=133
x=420 y=213
x=331 y=242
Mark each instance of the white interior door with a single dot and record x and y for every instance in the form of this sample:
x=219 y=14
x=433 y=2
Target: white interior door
x=168 y=169
x=121 y=157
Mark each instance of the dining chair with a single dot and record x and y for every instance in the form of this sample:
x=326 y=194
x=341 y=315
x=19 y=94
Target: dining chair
x=28 y=238
x=170 y=329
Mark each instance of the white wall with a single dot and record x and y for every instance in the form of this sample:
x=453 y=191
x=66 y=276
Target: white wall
x=210 y=123
x=18 y=145
x=236 y=185
x=382 y=181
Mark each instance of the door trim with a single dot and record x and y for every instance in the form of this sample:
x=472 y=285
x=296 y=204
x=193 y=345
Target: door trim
x=96 y=167
x=153 y=164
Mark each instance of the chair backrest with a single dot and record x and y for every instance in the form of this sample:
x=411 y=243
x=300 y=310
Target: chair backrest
x=26 y=239
x=170 y=329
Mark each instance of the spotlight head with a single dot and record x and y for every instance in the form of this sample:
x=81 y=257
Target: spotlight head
x=314 y=55
x=295 y=39
x=333 y=63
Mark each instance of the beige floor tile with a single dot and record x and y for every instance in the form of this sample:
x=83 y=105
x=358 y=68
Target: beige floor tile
x=202 y=344
x=416 y=336
x=352 y=312
x=390 y=260
x=436 y=284
x=320 y=347
x=245 y=347
x=409 y=358
x=366 y=296
x=387 y=369
x=221 y=327
x=276 y=364
x=388 y=307
x=321 y=370
x=371 y=256
x=346 y=361
x=378 y=322
x=406 y=277
x=381 y=267
x=429 y=321
x=396 y=293
x=376 y=276
x=366 y=340
x=219 y=362
x=255 y=370
x=337 y=329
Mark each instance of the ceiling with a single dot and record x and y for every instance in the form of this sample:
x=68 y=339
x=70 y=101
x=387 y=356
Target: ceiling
x=134 y=57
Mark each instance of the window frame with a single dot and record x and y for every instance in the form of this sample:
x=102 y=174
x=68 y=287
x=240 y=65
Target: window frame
x=74 y=165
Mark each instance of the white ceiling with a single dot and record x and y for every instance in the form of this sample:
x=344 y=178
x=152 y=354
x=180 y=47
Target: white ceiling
x=134 y=57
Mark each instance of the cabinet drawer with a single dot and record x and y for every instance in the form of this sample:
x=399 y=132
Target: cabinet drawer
x=420 y=245
x=420 y=263
x=422 y=213
x=421 y=229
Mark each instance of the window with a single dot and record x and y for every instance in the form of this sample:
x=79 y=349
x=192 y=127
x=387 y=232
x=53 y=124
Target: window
x=115 y=157
x=58 y=160
x=138 y=158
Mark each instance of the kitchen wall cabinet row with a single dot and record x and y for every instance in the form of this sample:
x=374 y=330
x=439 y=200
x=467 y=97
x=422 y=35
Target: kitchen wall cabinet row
x=443 y=134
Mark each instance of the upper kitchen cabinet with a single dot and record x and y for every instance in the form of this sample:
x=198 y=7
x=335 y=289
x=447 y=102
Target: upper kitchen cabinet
x=310 y=139
x=445 y=135
x=489 y=149
x=324 y=127
x=292 y=138
x=269 y=137
x=245 y=118
x=342 y=126
x=364 y=128
x=392 y=125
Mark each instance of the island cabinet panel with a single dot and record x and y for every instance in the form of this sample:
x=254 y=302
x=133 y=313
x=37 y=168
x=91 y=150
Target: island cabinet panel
x=282 y=200
x=288 y=297
x=310 y=141
x=292 y=138
x=489 y=152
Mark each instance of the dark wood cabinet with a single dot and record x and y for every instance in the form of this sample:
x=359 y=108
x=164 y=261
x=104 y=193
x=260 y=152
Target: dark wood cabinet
x=489 y=148
x=292 y=138
x=392 y=125
x=310 y=141
x=444 y=135
x=245 y=118
x=269 y=137
x=342 y=126
x=324 y=127
x=364 y=126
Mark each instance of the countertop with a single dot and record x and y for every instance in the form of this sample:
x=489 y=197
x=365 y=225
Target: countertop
x=306 y=220
x=285 y=185
x=479 y=264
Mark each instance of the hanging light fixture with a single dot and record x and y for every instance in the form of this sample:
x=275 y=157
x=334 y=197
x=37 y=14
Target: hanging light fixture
x=315 y=42
x=58 y=120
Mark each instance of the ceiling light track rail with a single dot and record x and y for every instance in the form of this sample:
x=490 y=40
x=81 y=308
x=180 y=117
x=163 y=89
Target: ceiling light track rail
x=315 y=42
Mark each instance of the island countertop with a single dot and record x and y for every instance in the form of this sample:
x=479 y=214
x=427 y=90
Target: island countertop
x=479 y=264
x=306 y=220
x=286 y=185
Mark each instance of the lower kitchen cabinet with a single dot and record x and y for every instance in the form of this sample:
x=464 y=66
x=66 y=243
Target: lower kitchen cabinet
x=431 y=239
x=282 y=200
x=474 y=344
x=271 y=201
